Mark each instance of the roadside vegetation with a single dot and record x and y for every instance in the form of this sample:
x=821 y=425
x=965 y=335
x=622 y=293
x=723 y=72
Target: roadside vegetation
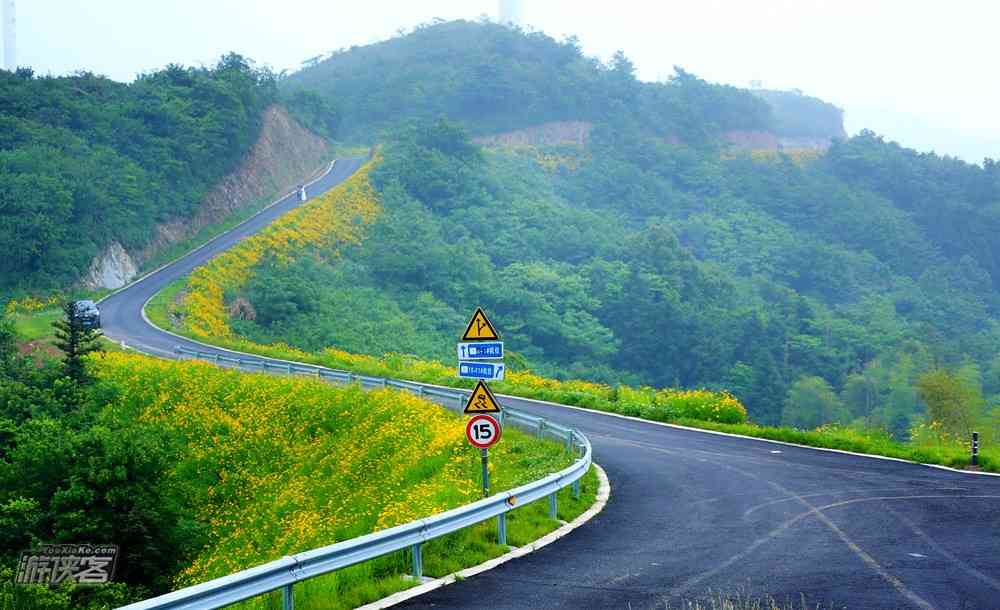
x=197 y=472
x=250 y=307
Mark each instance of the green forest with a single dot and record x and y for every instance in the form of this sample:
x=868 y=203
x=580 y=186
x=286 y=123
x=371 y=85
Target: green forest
x=854 y=289
x=817 y=289
x=85 y=160
x=491 y=78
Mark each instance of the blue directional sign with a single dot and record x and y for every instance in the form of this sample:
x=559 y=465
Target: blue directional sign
x=481 y=350
x=481 y=370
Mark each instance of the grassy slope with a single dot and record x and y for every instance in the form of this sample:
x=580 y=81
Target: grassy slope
x=36 y=334
x=277 y=465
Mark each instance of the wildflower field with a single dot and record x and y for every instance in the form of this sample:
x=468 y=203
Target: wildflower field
x=324 y=225
x=267 y=466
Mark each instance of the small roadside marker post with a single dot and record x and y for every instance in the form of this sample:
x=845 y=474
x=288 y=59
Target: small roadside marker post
x=975 y=448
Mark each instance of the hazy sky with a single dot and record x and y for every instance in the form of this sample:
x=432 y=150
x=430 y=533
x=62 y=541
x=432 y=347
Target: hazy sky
x=923 y=72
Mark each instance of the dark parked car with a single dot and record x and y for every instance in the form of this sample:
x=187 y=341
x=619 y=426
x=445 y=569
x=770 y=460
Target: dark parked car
x=89 y=313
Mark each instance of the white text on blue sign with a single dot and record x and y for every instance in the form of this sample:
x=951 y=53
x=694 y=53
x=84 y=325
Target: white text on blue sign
x=480 y=370
x=481 y=350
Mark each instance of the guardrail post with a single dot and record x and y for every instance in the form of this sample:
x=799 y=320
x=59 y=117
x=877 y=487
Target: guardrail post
x=576 y=489
x=420 y=390
x=287 y=599
x=289 y=367
x=569 y=442
x=553 y=506
x=418 y=561
x=502 y=529
x=541 y=428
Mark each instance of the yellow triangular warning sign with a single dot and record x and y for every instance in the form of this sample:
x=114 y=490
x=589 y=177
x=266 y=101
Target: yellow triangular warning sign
x=480 y=328
x=482 y=400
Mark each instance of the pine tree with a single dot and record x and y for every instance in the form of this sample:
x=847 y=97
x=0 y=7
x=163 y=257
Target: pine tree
x=76 y=341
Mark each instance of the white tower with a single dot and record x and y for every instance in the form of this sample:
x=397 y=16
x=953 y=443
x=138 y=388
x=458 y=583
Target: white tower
x=9 y=36
x=512 y=12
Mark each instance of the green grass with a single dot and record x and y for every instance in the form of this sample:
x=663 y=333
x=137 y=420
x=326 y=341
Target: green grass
x=161 y=308
x=872 y=442
x=36 y=326
x=36 y=329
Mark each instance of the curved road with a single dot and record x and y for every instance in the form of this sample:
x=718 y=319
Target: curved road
x=692 y=513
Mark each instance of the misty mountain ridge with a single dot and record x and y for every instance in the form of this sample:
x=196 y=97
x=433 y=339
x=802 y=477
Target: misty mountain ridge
x=704 y=235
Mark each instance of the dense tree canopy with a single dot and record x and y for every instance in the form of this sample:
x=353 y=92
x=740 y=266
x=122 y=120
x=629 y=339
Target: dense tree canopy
x=85 y=160
x=813 y=298
x=491 y=77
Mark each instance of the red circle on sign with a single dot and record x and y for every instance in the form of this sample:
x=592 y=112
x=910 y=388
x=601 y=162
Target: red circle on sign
x=483 y=431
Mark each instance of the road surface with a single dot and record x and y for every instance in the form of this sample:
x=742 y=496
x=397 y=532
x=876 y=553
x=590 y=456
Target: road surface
x=692 y=513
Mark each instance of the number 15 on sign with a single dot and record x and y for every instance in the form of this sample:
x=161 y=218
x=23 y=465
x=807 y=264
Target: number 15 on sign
x=483 y=431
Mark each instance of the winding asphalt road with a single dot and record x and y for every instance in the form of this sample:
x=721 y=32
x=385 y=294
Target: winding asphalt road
x=692 y=513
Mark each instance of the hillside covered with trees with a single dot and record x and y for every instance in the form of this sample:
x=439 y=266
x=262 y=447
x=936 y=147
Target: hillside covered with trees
x=85 y=160
x=493 y=78
x=818 y=288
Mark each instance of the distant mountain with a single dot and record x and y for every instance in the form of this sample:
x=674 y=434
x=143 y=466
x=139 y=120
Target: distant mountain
x=799 y=115
x=665 y=233
x=494 y=78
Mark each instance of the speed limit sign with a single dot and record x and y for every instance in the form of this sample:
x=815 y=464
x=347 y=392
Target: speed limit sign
x=483 y=431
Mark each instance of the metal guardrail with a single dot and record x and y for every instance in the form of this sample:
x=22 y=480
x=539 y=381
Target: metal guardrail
x=285 y=572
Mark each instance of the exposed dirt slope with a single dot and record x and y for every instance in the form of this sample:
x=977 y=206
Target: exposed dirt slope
x=284 y=156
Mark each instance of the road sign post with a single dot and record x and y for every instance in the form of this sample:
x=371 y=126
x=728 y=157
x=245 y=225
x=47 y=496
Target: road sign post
x=483 y=432
x=486 y=472
x=480 y=342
